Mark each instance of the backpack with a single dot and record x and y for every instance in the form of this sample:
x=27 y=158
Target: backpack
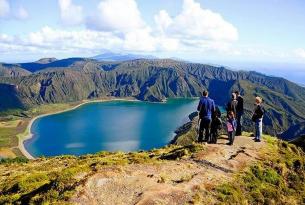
x=230 y=126
x=218 y=122
x=232 y=106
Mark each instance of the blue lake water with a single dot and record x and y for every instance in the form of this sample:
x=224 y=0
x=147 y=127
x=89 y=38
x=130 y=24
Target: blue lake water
x=111 y=126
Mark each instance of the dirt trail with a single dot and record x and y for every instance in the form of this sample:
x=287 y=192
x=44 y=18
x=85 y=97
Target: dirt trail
x=168 y=182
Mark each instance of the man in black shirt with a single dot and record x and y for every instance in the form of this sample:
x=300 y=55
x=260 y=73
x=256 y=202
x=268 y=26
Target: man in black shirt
x=232 y=105
x=239 y=113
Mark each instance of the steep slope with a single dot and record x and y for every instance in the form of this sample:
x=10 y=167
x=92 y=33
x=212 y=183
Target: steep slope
x=271 y=172
x=52 y=63
x=155 y=80
x=295 y=134
x=9 y=97
x=9 y=70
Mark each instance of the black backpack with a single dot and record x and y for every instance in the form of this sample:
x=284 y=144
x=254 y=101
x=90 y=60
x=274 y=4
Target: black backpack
x=232 y=106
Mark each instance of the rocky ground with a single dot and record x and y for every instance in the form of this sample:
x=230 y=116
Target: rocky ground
x=172 y=181
x=270 y=172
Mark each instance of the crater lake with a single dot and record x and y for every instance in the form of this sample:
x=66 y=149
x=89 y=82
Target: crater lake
x=109 y=126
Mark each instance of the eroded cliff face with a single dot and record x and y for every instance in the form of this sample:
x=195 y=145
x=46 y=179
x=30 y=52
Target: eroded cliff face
x=9 y=97
x=295 y=134
x=76 y=79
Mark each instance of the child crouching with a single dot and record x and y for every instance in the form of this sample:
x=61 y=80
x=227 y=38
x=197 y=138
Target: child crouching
x=231 y=127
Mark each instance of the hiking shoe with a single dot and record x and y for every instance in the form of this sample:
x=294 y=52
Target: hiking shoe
x=257 y=140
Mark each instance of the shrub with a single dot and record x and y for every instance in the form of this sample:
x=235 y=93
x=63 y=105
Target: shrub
x=278 y=179
x=19 y=160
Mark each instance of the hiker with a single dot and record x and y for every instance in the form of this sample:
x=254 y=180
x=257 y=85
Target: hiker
x=239 y=113
x=205 y=108
x=231 y=127
x=232 y=105
x=257 y=117
x=216 y=125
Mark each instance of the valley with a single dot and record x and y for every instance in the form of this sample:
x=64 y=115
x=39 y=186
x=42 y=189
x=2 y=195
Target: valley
x=76 y=79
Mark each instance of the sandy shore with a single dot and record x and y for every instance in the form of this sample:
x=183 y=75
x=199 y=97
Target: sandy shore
x=28 y=135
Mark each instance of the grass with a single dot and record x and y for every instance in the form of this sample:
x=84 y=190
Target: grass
x=53 y=180
x=14 y=126
x=278 y=179
x=14 y=160
x=10 y=124
x=49 y=108
x=8 y=132
x=8 y=152
x=187 y=138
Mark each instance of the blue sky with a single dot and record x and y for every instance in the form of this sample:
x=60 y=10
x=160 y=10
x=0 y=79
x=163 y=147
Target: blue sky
x=263 y=35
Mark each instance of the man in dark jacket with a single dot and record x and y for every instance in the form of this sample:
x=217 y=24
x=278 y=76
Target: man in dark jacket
x=239 y=113
x=205 y=107
x=232 y=105
x=257 y=117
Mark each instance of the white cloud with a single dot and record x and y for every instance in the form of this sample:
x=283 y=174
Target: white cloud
x=195 y=22
x=8 y=13
x=139 y=39
x=116 y=15
x=118 y=26
x=123 y=19
x=71 y=14
x=49 y=40
x=300 y=53
x=193 y=27
x=61 y=39
x=163 y=21
x=167 y=44
x=6 y=38
x=21 y=13
x=4 y=8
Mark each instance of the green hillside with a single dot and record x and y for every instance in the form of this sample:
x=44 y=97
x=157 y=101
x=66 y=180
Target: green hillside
x=153 y=80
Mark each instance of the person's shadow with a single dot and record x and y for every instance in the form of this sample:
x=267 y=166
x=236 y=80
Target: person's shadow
x=224 y=138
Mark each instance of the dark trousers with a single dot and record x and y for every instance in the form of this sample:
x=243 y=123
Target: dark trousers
x=214 y=135
x=231 y=136
x=205 y=125
x=239 y=120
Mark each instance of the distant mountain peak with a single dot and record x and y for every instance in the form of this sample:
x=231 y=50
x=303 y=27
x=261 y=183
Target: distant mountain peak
x=46 y=60
x=110 y=56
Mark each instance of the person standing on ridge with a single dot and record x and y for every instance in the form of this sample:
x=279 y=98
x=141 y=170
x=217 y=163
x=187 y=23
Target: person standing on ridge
x=205 y=108
x=231 y=127
x=215 y=125
x=239 y=113
x=232 y=105
x=257 y=117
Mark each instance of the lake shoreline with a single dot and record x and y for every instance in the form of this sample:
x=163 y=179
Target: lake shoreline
x=28 y=135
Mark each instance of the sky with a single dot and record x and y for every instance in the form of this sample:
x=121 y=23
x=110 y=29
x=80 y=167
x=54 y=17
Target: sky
x=267 y=36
